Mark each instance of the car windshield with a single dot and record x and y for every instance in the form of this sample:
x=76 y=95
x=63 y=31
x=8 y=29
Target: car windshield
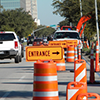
x=7 y=37
x=66 y=35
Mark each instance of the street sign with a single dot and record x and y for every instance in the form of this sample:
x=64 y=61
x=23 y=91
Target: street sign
x=34 y=53
x=72 y=42
x=58 y=43
x=52 y=25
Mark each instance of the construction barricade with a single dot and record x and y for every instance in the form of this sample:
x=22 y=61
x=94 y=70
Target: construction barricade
x=74 y=89
x=70 y=53
x=45 y=81
x=89 y=96
x=80 y=74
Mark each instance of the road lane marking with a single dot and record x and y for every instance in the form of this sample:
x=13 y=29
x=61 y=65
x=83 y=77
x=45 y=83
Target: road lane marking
x=21 y=78
x=6 y=94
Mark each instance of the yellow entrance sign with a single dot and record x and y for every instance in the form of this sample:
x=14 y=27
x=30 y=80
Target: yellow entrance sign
x=58 y=43
x=34 y=53
x=72 y=42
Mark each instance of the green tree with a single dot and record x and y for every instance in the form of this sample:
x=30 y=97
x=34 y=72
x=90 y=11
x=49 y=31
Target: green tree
x=70 y=9
x=17 y=20
x=45 y=31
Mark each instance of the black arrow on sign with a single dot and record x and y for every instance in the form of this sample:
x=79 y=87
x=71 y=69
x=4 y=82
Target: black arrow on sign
x=55 y=52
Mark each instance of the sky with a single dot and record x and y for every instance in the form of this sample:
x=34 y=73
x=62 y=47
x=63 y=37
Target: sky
x=45 y=13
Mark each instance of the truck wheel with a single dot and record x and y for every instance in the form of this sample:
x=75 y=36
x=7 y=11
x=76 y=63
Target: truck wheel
x=20 y=58
x=17 y=59
x=22 y=53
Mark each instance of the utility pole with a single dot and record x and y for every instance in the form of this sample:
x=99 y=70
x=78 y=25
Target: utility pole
x=97 y=25
x=81 y=16
x=0 y=5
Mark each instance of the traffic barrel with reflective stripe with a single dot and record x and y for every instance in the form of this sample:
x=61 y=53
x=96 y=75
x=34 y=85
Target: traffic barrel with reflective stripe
x=65 y=53
x=70 y=53
x=60 y=64
x=45 y=81
x=89 y=96
x=75 y=53
x=97 y=57
x=79 y=50
x=80 y=74
x=74 y=89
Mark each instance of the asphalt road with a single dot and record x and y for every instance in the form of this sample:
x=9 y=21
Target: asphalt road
x=16 y=80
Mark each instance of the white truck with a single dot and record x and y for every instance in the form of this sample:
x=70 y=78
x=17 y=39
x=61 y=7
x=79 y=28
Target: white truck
x=69 y=35
x=10 y=46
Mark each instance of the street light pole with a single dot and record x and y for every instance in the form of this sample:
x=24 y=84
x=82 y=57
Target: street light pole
x=0 y=5
x=97 y=25
x=37 y=30
x=42 y=28
x=81 y=16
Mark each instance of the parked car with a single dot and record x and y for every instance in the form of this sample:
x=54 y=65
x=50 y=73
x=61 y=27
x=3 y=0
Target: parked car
x=37 y=42
x=10 y=46
x=30 y=40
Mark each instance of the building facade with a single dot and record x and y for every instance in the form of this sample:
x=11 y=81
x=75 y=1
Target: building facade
x=10 y=4
x=27 y=5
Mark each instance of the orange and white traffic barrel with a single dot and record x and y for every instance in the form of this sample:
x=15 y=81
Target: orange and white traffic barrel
x=79 y=50
x=70 y=53
x=60 y=64
x=65 y=53
x=80 y=74
x=75 y=53
x=89 y=96
x=97 y=57
x=45 y=81
x=74 y=89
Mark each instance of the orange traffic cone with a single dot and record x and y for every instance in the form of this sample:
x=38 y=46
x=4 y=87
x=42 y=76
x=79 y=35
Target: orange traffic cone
x=70 y=53
x=97 y=57
x=45 y=81
x=89 y=96
x=74 y=89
